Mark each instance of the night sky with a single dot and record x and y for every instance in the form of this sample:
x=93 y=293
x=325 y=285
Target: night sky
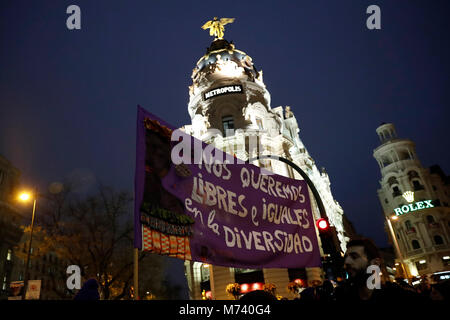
x=68 y=97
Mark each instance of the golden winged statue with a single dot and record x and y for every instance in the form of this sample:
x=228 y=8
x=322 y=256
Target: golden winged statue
x=216 y=27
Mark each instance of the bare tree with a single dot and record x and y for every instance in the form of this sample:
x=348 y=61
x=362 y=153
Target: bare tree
x=95 y=233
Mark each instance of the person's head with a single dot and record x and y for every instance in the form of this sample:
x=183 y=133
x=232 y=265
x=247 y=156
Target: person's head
x=360 y=254
x=258 y=295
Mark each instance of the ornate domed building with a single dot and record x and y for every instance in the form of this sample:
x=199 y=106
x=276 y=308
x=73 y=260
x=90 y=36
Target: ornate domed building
x=230 y=106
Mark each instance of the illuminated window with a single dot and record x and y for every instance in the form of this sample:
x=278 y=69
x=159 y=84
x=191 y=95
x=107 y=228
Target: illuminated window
x=421 y=265
x=4 y=283
x=9 y=255
x=228 y=124
x=204 y=273
x=446 y=260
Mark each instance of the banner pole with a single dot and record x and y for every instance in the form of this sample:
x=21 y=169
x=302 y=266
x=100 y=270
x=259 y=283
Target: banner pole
x=136 y=274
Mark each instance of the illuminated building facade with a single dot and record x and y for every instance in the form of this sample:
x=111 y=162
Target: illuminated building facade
x=229 y=105
x=415 y=202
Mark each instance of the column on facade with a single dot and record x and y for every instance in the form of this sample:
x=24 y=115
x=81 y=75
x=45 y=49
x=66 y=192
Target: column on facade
x=314 y=275
x=193 y=276
x=278 y=277
x=220 y=278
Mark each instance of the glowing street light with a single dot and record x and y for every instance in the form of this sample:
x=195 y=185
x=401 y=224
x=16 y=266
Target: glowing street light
x=25 y=196
x=397 y=247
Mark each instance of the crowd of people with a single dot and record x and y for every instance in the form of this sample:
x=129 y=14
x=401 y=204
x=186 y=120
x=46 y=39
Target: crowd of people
x=361 y=254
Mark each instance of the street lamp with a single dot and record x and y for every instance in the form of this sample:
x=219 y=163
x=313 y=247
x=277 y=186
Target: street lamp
x=25 y=196
x=333 y=246
x=397 y=247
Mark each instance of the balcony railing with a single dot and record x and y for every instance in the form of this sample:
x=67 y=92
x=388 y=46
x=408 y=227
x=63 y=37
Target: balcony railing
x=440 y=247
x=396 y=194
x=414 y=252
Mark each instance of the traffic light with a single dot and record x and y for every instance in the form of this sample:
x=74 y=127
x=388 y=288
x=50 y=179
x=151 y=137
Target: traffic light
x=322 y=224
x=326 y=236
x=331 y=261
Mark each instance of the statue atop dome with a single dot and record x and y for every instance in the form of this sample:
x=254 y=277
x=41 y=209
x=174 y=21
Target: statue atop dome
x=216 y=27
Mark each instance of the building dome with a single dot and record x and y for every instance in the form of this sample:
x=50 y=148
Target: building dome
x=228 y=75
x=223 y=52
x=221 y=61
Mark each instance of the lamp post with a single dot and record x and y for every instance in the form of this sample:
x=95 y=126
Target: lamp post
x=331 y=242
x=26 y=197
x=397 y=247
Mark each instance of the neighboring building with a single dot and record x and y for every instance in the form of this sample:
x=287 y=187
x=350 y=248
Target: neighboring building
x=228 y=95
x=14 y=243
x=45 y=267
x=10 y=220
x=416 y=200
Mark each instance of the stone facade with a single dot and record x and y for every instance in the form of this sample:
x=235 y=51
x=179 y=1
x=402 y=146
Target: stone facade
x=230 y=106
x=415 y=201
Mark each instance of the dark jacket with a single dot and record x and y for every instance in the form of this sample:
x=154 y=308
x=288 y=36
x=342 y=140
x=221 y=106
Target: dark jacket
x=388 y=293
x=89 y=291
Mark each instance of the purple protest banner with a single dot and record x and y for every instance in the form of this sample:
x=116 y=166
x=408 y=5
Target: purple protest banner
x=195 y=202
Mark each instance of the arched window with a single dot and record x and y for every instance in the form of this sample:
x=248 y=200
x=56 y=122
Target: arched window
x=417 y=185
x=385 y=161
x=228 y=124
x=396 y=192
x=438 y=240
x=415 y=244
x=430 y=219
x=408 y=225
x=412 y=174
x=392 y=180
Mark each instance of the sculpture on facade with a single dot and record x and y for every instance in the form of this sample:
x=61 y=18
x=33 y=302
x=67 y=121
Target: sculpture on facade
x=216 y=27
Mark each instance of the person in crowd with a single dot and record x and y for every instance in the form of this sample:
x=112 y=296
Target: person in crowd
x=326 y=291
x=362 y=253
x=89 y=291
x=258 y=296
x=424 y=288
x=440 y=291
